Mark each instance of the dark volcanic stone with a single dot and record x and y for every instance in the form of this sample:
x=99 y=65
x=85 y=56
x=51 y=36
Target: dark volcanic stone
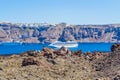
x=115 y=47
x=78 y=53
x=1 y=68
x=62 y=51
x=31 y=53
x=47 y=52
x=51 y=61
x=117 y=77
x=48 y=55
x=30 y=61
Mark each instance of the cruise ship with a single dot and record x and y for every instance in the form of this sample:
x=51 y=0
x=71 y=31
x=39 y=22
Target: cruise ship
x=68 y=44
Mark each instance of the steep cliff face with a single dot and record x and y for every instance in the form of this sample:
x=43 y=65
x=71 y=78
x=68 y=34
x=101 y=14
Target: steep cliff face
x=49 y=33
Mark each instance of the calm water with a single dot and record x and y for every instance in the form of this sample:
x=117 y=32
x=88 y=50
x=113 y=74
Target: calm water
x=12 y=48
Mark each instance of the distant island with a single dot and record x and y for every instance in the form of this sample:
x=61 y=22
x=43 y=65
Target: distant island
x=44 y=32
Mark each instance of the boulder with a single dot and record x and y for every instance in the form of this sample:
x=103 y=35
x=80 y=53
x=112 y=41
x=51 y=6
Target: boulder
x=48 y=55
x=30 y=61
x=51 y=61
x=89 y=56
x=62 y=51
x=77 y=53
x=31 y=53
x=92 y=56
x=1 y=68
x=98 y=55
x=115 y=47
x=47 y=52
x=117 y=77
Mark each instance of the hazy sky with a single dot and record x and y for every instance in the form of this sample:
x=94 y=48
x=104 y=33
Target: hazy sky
x=56 y=11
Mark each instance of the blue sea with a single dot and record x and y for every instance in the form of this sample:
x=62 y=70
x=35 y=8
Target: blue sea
x=13 y=48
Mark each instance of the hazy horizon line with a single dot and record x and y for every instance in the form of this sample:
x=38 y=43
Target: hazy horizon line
x=58 y=23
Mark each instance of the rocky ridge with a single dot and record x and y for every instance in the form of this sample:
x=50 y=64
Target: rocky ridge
x=61 y=64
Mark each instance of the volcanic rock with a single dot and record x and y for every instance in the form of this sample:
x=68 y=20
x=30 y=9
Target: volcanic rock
x=77 y=53
x=31 y=53
x=76 y=66
x=30 y=61
x=89 y=56
x=47 y=50
x=115 y=47
x=117 y=77
x=62 y=51
x=51 y=61
x=1 y=68
x=48 y=53
x=109 y=65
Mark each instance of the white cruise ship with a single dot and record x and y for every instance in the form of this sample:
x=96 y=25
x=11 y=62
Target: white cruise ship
x=68 y=44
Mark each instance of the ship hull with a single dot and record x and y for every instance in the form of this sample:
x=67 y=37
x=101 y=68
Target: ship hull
x=65 y=44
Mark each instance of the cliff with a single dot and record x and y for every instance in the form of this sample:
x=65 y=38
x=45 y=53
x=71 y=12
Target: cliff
x=63 y=32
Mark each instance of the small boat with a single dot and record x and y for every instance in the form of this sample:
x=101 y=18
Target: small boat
x=60 y=44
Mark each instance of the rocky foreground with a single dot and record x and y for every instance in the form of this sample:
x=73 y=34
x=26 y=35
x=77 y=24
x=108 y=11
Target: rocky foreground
x=61 y=64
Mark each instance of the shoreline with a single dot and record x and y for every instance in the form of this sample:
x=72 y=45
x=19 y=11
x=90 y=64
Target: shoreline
x=51 y=48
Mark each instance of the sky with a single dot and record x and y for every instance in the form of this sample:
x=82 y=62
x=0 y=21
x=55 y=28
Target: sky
x=57 y=11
